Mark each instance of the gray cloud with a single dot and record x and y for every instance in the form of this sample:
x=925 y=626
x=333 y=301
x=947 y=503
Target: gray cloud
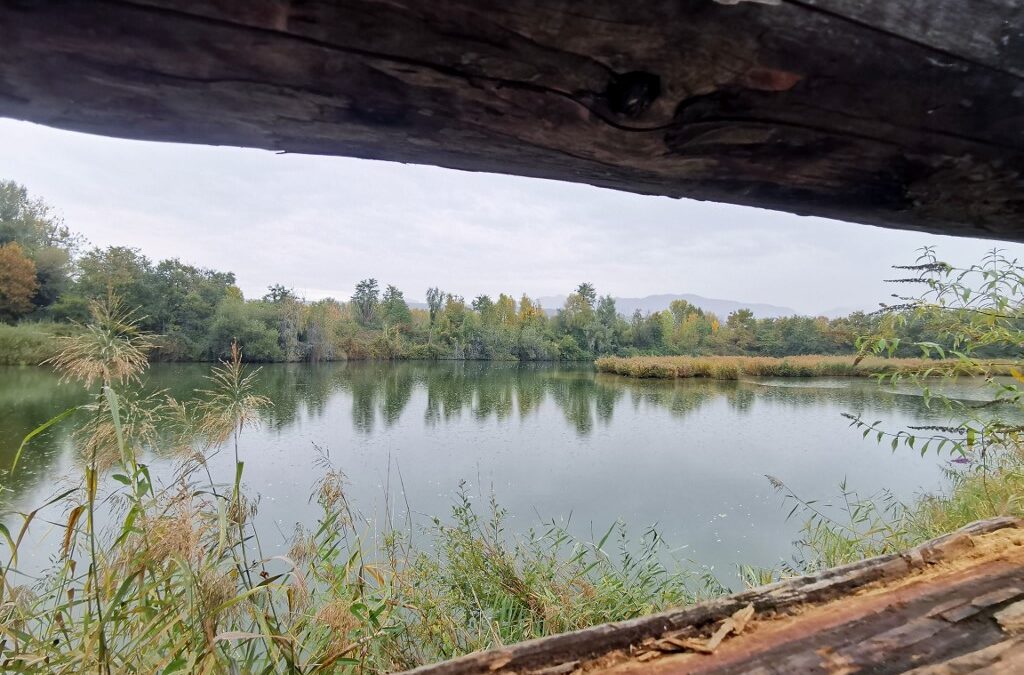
x=319 y=224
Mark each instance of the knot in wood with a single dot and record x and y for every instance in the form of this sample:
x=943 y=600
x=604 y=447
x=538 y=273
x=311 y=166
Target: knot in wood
x=631 y=93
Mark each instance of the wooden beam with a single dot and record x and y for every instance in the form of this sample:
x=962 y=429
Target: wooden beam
x=900 y=113
x=952 y=605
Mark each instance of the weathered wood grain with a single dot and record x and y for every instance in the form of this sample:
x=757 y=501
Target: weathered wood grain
x=874 y=615
x=902 y=113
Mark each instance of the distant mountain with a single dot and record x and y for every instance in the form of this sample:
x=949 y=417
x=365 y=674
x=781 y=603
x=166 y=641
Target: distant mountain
x=656 y=303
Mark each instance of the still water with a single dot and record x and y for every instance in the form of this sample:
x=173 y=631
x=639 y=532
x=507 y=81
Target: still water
x=551 y=442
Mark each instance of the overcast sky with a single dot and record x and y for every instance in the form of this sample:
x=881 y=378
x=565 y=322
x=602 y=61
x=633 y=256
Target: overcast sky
x=319 y=224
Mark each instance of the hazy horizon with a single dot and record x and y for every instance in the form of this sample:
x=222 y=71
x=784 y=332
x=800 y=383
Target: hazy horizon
x=319 y=224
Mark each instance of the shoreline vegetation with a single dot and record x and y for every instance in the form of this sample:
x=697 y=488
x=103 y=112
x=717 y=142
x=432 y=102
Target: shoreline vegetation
x=177 y=580
x=736 y=367
x=49 y=277
x=150 y=576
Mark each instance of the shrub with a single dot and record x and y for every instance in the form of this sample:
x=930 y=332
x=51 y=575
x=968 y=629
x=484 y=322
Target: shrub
x=29 y=344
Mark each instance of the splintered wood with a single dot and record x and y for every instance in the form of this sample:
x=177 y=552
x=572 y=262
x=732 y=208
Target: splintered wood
x=952 y=605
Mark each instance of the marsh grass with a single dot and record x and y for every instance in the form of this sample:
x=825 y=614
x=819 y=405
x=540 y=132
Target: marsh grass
x=852 y=527
x=177 y=580
x=735 y=367
x=978 y=310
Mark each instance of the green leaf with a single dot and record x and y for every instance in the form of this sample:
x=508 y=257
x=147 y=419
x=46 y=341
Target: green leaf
x=38 y=430
x=115 y=417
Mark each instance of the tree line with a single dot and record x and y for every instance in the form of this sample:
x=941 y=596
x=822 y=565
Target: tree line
x=48 y=274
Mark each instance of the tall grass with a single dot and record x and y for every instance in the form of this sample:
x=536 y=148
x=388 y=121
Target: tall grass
x=177 y=581
x=735 y=367
x=852 y=527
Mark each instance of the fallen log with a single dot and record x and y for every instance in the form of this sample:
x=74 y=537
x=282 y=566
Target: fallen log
x=954 y=604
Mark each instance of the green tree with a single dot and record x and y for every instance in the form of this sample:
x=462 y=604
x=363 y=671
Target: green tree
x=53 y=274
x=435 y=301
x=587 y=291
x=365 y=301
x=279 y=293
x=249 y=325
x=393 y=308
x=183 y=301
x=116 y=271
x=32 y=222
x=483 y=304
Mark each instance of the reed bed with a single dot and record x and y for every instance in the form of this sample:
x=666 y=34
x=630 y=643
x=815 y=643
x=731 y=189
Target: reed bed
x=735 y=367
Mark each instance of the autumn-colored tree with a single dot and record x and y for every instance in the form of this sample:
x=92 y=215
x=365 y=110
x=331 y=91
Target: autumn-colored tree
x=18 y=283
x=530 y=311
x=505 y=311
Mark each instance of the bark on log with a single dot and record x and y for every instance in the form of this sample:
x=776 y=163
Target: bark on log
x=933 y=608
x=901 y=113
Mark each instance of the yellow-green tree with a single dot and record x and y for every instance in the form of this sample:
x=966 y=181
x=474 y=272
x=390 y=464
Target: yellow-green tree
x=18 y=283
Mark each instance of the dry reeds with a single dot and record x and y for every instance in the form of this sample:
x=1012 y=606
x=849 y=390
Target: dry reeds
x=735 y=367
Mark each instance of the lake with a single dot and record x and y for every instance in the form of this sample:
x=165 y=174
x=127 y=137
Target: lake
x=551 y=442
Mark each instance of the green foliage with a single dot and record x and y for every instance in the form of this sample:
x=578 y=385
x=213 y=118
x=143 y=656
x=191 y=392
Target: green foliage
x=365 y=301
x=191 y=309
x=393 y=309
x=976 y=319
x=29 y=344
x=251 y=325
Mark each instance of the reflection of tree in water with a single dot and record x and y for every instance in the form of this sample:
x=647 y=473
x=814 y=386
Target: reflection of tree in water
x=31 y=396
x=498 y=390
x=530 y=392
x=856 y=397
x=681 y=397
x=28 y=398
x=447 y=392
x=582 y=398
x=398 y=384
x=494 y=394
x=363 y=387
x=740 y=399
x=295 y=389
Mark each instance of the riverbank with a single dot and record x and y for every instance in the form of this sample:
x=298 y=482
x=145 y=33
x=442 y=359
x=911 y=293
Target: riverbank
x=734 y=367
x=178 y=573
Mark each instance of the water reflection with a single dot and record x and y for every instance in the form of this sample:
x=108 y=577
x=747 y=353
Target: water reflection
x=28 y=398
x=381 y=393
x=551 y=439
